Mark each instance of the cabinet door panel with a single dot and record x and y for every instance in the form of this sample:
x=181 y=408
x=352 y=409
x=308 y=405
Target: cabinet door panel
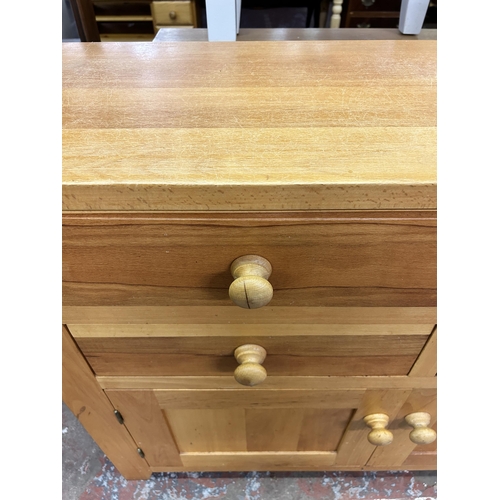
x=253 y=430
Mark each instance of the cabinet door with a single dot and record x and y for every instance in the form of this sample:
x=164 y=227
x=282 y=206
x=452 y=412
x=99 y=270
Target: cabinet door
x=253 y=429
x=404 y=451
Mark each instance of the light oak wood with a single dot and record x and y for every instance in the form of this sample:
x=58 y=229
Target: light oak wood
x=297 y=345
x=293 y=355
x=207 y=430
x=251 y=288
x=417 y=464
x=276 y=430
x=285 y=382
x=323 y=429
x=196 y=365
x=85 y=398
x=417 y=401
x=419 y=461
x=240 y=330
x=124 y=149
x=176 y=424
x=421 y=433
x=251 y=398
x=379 y=435
x=250 y=358
x=259 y=461
x=210 y=315
x=426 y=364
x=354 y=447
x=179 y=158
x=357 y=259
x=143 y=418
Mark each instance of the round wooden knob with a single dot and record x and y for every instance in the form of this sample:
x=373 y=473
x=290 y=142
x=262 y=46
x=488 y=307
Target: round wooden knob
x=172 y=15
x=250 y=358
x=250 y=289
x=379 y=435
x=421 y=433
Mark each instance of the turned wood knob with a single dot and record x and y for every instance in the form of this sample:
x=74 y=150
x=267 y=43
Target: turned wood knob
x=172 y=15
x=421 y=433
x=379 y=435
x=250 y=358
x=250 y=289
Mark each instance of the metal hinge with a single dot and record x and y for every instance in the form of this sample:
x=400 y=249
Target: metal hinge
x=141 y=453
x=119 y=417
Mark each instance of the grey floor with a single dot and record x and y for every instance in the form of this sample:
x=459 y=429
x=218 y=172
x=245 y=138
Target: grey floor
x=87 y=474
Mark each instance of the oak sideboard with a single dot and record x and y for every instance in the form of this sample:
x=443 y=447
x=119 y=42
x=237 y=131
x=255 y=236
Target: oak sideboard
x=249 y=254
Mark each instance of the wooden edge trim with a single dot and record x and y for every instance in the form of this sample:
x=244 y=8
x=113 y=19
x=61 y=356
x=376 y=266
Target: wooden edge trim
x=210 y=383
x=426 y=363
x=301 y=468
x=88 y=402
x=150 y=331
x=259 y=460
x=88 y=315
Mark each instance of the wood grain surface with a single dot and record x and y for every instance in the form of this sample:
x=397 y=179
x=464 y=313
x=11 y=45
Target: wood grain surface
x=217 y=383
x=292 y=355
x=283 y=34
x=328 y=259
x=85 y=398
x=270 y=315
x=241 y=330
x=426 y=364
x=250 y=126
x=419 y=400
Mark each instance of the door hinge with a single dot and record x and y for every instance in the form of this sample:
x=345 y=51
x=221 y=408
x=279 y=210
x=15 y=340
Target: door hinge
x=141 y=453
x=119 y=417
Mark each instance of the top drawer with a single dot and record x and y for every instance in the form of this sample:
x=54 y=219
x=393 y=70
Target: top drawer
x=385 y=259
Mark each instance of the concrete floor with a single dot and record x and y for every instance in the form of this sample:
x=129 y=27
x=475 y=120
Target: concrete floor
x=89 y=475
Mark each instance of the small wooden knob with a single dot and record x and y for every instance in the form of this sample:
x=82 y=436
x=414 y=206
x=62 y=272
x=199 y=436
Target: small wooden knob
x=379 y=435
x=250 y=289
x=421 y=433
x=172 y=15
x=250 y=358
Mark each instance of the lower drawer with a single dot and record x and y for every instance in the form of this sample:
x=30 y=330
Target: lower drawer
x=289 y=349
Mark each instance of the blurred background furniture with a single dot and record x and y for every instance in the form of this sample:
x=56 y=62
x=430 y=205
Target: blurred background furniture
x=141 y=20
x=381 y=13
x=135 y=20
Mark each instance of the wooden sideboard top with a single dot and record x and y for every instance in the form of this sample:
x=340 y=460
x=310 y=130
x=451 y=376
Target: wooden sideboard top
x=307 y=125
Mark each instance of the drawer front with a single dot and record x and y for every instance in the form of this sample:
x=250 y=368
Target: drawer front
x=290 y=349
x=326 y=259
x=172 y=13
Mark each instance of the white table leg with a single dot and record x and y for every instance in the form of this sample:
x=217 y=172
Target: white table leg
x=238 y=15
x=412 y=15
x=336 y=10
x=223 y=20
